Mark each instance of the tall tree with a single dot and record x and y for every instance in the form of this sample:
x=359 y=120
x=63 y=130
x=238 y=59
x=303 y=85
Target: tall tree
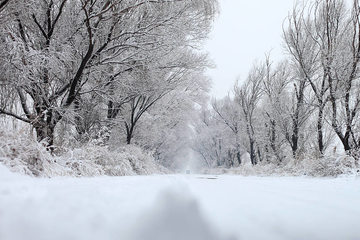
x=323 y=40
x=275 y=87
x=248 y=96
x=340 y=59
x=301 y=43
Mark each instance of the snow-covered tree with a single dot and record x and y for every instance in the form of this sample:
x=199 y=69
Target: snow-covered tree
x=323 y=40
x=181 y=71
x=300 y=41
x=248 y=96
x=213 y=140
x=228 y=112
x=274 y=110
x=59 y=50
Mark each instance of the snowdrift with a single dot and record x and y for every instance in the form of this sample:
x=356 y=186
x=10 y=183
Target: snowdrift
x=22 y=154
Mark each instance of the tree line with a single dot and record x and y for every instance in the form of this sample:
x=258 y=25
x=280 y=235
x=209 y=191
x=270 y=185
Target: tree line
x=302 y=106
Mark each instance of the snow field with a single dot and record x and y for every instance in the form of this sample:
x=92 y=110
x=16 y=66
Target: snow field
x=283 y=208
x=178 y=207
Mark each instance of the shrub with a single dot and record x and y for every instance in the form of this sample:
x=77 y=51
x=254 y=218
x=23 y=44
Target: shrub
x=22 y=154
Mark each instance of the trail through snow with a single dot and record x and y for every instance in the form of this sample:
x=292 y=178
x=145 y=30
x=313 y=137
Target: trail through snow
x=178 y=207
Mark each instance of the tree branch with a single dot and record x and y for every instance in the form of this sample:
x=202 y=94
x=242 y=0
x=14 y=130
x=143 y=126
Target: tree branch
x=39 y=26
x=3 y=111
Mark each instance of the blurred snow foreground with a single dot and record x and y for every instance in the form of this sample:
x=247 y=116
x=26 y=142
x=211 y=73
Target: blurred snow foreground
x=176 y=216
x=178 y=207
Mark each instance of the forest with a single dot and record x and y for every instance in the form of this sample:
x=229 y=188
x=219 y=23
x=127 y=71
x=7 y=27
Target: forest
x=119 y=87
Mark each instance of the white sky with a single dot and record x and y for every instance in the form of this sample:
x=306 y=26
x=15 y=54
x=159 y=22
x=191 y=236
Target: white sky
x=244 y=32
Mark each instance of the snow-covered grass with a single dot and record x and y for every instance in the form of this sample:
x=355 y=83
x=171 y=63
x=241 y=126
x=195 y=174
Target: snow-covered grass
x=328 y=166
x=178 y=207
x=22 y=154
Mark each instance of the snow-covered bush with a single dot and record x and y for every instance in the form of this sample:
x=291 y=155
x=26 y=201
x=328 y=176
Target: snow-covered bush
x=328 y=166
x=111 y=163
x=23 y=154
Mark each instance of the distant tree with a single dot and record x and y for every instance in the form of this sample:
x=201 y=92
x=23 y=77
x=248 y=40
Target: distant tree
x=228 y=112
x=165 y=129
x=275 y=98
x=298 y=113
x=248 y=97
x=153 y=82
x=212 y=140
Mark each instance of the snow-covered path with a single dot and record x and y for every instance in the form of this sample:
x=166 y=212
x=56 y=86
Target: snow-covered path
x=178 y=207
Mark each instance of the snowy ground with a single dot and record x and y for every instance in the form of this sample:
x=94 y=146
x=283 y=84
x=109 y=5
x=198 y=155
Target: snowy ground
x=178 y=207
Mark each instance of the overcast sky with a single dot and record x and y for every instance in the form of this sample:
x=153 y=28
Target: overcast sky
x=244 y=32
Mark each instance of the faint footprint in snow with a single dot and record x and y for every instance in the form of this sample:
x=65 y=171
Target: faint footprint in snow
x=175 y=216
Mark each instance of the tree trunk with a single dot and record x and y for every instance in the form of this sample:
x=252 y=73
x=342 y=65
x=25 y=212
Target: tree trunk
x=295 y=134
x=45 y=132
x=238 y=156
x=45 y=127
x=294 y=142
x=252 y=152
x=320 y=131
x=129 y=133
x=346 y=143
x=238 y=146
x=79 y=123
x=344 y=138
x=113 y=110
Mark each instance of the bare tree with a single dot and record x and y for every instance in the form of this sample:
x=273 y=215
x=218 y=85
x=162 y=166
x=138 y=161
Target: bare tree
x=152 y=82
x=275 y=86
x=323 y=40
x=211 y=140
x=248 y=96
x=228 y=112
x=341 y=51
x=331 y=32
x=301 y=43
